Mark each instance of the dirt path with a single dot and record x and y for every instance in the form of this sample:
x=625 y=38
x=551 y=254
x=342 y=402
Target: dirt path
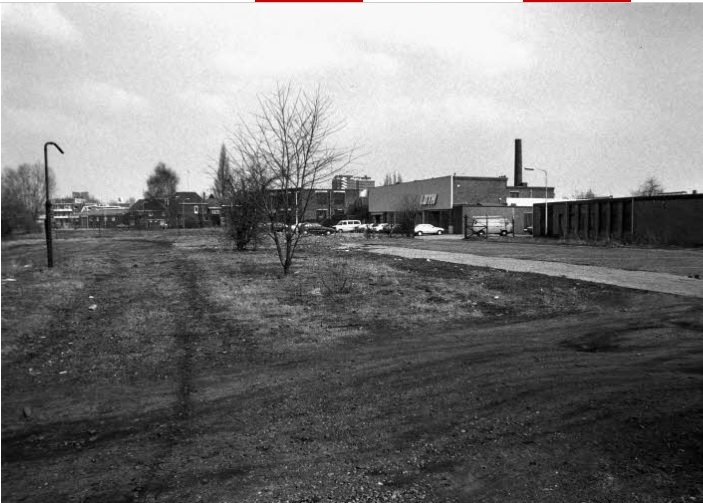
x=639 y=280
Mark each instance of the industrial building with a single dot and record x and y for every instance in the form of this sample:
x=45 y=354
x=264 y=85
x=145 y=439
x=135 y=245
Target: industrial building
x=650 y=220
x=445 y=201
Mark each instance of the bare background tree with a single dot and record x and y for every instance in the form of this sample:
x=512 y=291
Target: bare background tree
x=162 y=184
x=283 y=156
x=244 y=213
x=392 y=179
x=588 y=194
x=650 y=187
x=408 y=210
x=24 y=196
x=223 y=176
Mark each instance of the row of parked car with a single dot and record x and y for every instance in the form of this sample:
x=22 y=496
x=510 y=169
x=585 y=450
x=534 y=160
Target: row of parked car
x=480 y=226
x=385 y=228
x=356 y=226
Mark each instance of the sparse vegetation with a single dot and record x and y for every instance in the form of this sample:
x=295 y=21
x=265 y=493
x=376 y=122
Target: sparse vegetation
x=204 y=373
x=24 y=197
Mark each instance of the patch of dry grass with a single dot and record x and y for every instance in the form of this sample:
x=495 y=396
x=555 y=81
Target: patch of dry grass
x=336 y=291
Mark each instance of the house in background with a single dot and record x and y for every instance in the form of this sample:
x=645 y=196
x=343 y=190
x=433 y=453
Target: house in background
x=318 y=205
x=103 y=217
x=147 y=214
x=187 y=210
x=65 y=213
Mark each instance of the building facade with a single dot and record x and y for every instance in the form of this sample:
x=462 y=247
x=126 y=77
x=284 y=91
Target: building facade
x=446 y=201
x=147 y=214
x=187 y=210
x=653 y=220
x=103 y=217
x=344 y=182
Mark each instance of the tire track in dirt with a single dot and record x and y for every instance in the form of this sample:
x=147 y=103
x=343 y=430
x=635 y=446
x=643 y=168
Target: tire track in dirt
x=181 y=428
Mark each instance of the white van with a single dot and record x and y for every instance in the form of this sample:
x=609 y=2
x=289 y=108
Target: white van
x=486 y=224
x=347 y=225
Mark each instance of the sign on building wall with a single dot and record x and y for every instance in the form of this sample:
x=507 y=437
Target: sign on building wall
x=428 y=199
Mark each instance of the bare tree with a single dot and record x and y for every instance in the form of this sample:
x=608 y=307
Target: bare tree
x=162 y=183
x=24 y=195
x=650 y=187
x=284 y=155
x=392 y=179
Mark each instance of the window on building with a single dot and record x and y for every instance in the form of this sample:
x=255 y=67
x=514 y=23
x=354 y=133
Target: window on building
x=514 y=193
x=338 y=198
x=321 y=198
x=195 y=209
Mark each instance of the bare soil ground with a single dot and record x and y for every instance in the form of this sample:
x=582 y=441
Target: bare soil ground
x=203 y=374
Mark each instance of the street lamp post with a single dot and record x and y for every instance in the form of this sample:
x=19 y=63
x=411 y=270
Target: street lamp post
x=47 y=219
x=546 y=196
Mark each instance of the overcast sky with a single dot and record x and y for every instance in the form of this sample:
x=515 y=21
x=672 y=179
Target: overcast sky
x=602 y=96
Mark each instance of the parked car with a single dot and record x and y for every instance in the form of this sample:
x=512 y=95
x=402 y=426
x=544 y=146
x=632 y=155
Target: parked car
x=364 y=227
x=392 y=229
x=379 y=227
x=347 y=225
x=316 y=229
x=482 y=225
x=277 y=226
x=421 y=229
x=162 y=223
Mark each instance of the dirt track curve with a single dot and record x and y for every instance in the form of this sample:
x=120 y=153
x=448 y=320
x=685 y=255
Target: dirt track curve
x=639 y=280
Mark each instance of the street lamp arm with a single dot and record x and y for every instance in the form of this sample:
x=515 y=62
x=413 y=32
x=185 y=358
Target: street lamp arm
x=54 y=144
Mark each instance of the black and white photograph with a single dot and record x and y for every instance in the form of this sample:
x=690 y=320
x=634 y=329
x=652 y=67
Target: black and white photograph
x=355 y=252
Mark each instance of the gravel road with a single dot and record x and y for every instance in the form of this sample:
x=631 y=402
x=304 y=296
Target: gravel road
x=639 y=280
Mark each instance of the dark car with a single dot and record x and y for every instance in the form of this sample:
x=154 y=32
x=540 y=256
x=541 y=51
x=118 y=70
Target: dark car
x=317 y=229
x=391 y=229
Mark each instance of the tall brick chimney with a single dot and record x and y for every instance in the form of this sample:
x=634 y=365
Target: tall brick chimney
x=518 y=163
